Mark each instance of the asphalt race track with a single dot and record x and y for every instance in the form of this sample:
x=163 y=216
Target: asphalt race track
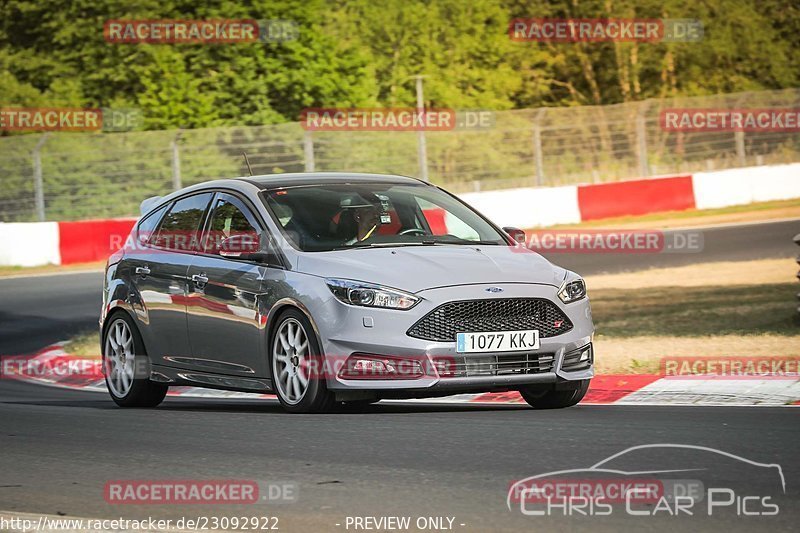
x=59 y=448
x=728 y=243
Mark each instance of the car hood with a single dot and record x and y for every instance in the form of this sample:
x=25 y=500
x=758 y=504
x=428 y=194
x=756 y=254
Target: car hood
x=416 y=268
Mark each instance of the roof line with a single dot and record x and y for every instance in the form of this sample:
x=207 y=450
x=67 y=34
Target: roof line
x=264 y=179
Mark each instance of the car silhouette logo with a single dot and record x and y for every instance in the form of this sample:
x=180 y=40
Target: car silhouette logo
x=608 y=466
x=494 y=289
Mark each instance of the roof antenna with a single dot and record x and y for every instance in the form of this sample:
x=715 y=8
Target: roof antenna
x=249 y=169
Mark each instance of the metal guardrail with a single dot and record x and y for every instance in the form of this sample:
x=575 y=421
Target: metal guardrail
x=72 y=176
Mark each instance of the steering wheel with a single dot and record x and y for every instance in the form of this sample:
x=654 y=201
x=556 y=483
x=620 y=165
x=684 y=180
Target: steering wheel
x=412 y=231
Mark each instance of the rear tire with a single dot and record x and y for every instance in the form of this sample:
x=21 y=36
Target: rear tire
x=555 y=399
x=297 y=366
x=124 y=357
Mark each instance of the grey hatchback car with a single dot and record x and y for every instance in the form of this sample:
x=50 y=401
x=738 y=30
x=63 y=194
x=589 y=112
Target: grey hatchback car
x=334 y=289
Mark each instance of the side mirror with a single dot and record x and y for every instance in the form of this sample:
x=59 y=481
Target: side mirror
x=248 y=246
x=515 y=233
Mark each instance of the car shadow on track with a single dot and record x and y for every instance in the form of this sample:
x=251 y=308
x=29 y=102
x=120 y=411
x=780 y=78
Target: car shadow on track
x=20 y=393
x=272 y=406
x=269 y=406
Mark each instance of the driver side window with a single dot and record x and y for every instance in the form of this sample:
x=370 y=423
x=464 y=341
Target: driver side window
x=230 y=218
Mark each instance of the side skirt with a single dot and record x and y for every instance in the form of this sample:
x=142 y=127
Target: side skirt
x=209 y=380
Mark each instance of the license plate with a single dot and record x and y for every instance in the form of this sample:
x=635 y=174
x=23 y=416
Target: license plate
x=498 y=341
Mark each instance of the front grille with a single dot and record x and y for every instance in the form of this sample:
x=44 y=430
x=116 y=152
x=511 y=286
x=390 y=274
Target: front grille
x=508 y=314
x=494 y=365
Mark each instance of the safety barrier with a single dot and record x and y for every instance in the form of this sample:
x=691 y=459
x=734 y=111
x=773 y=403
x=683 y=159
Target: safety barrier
x=40 y=243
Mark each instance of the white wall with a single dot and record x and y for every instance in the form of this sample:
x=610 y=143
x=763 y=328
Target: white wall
x=739 y=186
x=29 y=243
x=529 y=207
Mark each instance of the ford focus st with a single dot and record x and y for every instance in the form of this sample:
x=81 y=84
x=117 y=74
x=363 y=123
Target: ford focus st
x=335 y=289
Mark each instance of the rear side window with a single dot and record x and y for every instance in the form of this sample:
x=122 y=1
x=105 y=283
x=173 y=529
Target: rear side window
x=148 y=225
x=180 y=227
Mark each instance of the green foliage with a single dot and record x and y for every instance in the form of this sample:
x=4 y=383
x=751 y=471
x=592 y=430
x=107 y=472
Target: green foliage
x=52 y=52
x=363 y=53
x=747 y=45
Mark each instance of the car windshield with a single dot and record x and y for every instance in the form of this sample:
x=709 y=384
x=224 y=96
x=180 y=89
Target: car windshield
x=354 y=215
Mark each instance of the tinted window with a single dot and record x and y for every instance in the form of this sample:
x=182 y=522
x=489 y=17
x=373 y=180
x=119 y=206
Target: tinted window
x=180 y=227
x=230 y=218
x=148 y=225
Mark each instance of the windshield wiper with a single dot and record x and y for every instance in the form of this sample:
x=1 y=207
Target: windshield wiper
x=354 y=245
x=374 y=245
x=457 y=241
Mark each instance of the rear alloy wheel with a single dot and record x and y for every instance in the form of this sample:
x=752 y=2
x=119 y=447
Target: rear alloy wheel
x=298 y=376
x=555 y=399
x=123 y=355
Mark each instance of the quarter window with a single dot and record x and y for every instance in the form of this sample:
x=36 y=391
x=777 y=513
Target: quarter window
x=148 y=225
x=180 y=228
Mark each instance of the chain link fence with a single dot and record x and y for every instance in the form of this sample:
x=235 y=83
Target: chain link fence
x=70 y=176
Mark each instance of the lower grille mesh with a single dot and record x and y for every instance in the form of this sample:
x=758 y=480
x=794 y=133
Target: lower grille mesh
x=508 y=314
x=494 y=365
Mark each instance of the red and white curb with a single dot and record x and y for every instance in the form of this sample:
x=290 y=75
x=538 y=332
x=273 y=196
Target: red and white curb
x=572 y=204
x=55 y=367
x=60 y=369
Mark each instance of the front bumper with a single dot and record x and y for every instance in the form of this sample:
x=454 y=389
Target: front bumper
x=350 y=329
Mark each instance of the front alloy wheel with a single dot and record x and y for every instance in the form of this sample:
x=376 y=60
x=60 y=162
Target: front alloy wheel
x=290 y=361
x=123 y=354
x=297 y=375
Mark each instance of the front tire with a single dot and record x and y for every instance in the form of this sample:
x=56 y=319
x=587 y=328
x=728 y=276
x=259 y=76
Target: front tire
x=296 y=362
x=555 y=399
x=123 y=357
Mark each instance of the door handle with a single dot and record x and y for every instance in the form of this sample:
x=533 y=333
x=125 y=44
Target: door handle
x=199 y=279
x=143 y=271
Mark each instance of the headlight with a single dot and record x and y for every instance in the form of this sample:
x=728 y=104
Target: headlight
x=572 y=291
x=370 y=295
